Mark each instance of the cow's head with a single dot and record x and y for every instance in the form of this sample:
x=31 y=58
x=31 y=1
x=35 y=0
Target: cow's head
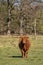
x=24 y=39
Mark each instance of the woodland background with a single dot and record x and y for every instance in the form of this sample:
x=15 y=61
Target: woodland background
x=21 y=16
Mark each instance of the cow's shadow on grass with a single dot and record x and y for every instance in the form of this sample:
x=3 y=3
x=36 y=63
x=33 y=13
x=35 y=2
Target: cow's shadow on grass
x=15 y=56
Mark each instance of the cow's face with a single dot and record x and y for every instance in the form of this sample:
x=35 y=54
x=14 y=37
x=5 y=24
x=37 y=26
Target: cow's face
x=24 y=39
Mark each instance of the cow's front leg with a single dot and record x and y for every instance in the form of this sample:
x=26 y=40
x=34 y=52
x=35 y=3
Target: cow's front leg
x=26 y=54
x=22 y=53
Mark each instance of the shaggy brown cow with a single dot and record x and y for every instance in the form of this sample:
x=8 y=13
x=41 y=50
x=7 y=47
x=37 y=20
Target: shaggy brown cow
x=24 y=46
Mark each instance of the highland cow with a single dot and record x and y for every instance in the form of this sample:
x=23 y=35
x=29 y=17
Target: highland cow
x=24 y=46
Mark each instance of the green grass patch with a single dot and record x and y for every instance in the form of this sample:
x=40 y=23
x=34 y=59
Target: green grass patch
x=10 y=53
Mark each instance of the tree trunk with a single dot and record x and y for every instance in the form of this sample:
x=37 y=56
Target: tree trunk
x=9 y=16
x=35 y=29
x=21 y=28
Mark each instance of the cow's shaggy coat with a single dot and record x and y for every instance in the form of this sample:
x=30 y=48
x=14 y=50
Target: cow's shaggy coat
x=24 y=46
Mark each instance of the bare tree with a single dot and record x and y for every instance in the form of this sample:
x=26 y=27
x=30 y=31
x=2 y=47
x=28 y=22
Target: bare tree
x=10 y=7
x=28 y=10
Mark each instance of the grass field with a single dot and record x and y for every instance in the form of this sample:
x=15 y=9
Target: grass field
x=10 y=53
